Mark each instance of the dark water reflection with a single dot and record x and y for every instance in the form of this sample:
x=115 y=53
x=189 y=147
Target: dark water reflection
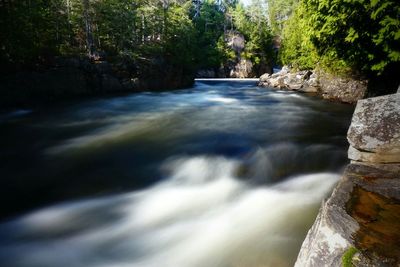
x=232 y=143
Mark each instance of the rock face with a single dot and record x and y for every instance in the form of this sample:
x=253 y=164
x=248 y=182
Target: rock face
x=363 y=212
x=342 y=89
x=360 y=223
x=374 y=134
x=328 y=86
x=242 y=69
x=237 y=66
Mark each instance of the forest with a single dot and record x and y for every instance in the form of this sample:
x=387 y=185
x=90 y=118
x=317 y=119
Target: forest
x=141 y=37
x=189 y=34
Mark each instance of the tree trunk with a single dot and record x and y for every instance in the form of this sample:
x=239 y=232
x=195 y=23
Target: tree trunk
x=88 y=28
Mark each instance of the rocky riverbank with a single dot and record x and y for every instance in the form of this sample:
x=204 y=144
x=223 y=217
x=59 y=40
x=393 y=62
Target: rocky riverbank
x=317 y=82
x=359 y=225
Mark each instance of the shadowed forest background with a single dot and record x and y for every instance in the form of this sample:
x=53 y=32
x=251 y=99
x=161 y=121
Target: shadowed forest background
x=152 y=44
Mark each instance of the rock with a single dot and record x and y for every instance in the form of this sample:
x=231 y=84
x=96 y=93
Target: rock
x=238 y=66
x=363 y=214
x=308 y=89
x=295 y=86
x=360 y=222
x=284 y=79
x=357 y=155
x=313 y=82
x=235 y=40
x=277 y=82
x=374 y=133
x=284 y=70
x=242 y=69
x=342 y=89
x=293 y=81
x=330 y=87
x=275 y=75
x=265 y=77
x=307 y=75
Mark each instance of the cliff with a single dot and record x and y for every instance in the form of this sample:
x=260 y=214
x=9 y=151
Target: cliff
x=236 y=65
x=359 y=225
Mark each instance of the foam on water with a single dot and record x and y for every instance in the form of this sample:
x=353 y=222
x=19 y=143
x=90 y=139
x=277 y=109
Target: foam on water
x=201 y=215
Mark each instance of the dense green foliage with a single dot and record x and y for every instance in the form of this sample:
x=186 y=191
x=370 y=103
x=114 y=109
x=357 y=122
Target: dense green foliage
x=180 y=32
x=36 y=30
x=252 y=22
x=278 y=12
x=341 y=35
x=297 y=49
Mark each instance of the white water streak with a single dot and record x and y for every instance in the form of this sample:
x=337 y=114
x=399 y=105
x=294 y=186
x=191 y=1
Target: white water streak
x=201 y=216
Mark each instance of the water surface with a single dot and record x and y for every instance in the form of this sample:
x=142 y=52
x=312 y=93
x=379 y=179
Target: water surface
x=222 y=174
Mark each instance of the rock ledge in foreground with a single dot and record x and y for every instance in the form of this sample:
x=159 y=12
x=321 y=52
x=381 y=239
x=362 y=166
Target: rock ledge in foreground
x=361 y=220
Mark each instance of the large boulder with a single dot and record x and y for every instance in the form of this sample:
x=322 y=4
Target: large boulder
x=359 y=225
x=293 y=81
x=374 y=133
x=346 y=90
x=265 y=77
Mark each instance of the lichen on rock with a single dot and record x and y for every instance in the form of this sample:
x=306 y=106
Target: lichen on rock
x=374 y=134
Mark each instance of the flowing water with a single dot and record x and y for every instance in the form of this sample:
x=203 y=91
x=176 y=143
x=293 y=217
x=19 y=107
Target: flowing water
x=224 y=174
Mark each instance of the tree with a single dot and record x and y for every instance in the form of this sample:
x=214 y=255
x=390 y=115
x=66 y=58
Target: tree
x=297 y=50
x=361 y=35
x=278 y=12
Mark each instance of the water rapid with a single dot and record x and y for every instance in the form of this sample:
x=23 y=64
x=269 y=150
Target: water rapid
x=223 y=174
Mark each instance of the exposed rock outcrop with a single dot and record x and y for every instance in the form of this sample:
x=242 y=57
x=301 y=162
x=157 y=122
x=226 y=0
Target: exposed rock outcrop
x=362 y=213
x=328 y=86
x=360 y=223
x=237 y=66
x=343 y=89
x=374 y=134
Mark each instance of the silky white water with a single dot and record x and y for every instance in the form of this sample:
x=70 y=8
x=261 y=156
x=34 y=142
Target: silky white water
x=202 y=215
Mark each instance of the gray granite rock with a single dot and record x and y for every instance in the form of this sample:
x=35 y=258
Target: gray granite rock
x=265 y=77
x=374 y=133
x=343 y=89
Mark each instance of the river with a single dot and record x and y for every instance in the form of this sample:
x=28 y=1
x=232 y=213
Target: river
x=224 y=174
